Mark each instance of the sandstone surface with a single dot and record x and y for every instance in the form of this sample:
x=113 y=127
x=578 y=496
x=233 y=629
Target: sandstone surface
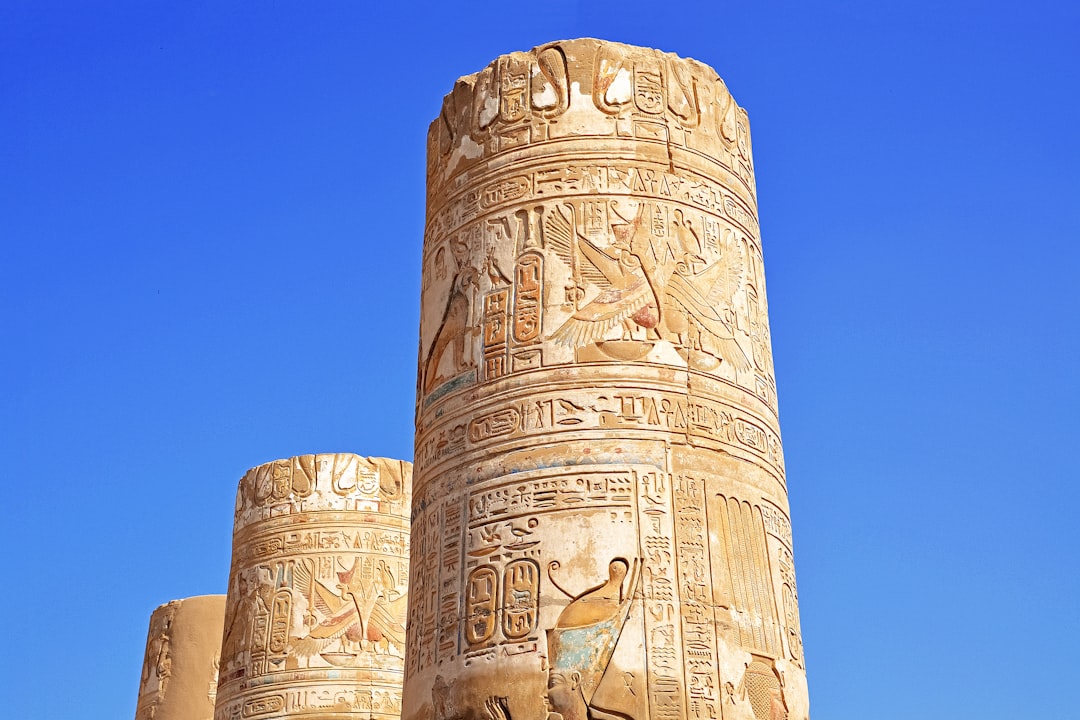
x=179 y=673
x=315 y=623
x=600 y=521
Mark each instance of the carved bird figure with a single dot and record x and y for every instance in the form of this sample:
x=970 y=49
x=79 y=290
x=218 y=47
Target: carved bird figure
x=652 y=283
x=386 y=610
x=628 y=298
x=341 y=620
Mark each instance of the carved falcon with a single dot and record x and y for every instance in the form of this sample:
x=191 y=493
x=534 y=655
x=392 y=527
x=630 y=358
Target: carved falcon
x=650 y=283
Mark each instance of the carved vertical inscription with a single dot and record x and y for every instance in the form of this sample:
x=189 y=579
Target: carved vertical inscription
x=528 y=279
x=482 y=594
x=495 y=333
x=600 y=525
x=663 y=629
x=449 y=574
x=697 y=621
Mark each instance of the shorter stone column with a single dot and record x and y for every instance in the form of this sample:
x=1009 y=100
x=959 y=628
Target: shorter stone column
x=315 y=619
x=179 y=673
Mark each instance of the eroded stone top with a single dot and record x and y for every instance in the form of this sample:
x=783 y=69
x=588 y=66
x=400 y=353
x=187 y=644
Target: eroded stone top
x=326 y=481
x=588 y=87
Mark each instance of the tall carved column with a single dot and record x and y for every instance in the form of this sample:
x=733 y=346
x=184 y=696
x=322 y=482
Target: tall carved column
x=600 y=522
x=179 y=673
x=315 y=621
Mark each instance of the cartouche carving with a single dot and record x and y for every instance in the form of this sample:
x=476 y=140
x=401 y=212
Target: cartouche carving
x=179 y=673
x=318 y=590
x=600 y=523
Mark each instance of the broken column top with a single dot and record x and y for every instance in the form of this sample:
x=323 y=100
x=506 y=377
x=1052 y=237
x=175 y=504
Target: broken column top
x=588 y=87
x=179 y=674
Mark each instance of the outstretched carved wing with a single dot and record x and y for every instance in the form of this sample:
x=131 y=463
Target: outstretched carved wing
x=346 y=622
x=321 y=597
x=725 y=277
x=607 y=310
x=704 y=295
x=389 y=618
x=339 y=616
x=610 y=270
x=560 y=236
x=333 y=627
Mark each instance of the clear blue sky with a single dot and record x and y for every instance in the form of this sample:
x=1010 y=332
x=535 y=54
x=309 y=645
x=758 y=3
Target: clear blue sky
x=210 y=226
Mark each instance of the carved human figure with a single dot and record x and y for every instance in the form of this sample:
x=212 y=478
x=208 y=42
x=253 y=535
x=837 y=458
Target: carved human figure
x=583 y=640
x=595 y=605
x=455 y=320
x=764 y=687
x=565 y=698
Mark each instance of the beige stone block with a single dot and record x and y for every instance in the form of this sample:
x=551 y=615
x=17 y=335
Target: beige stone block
x=179 y=673
x=600 y=521
x=315 y=622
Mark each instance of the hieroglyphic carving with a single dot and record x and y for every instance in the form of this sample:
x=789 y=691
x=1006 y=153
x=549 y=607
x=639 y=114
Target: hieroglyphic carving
x=481 y=596
x=318 y=590
x=528 y=277
x=660 y=411
x=777 y=524
x=656 y=97
x=521 y=598
x=179 y=673
x=583 y=179
x=426 y=541
x=600 y=522
x=649 y=276
x=502 y=583
x=456 y=320
x=661 y=599
x=551 y=87
x=790 y=606
x=449 y=579
x=496 y=310
x=583 y=639
x=696 y=591
x=157 y=663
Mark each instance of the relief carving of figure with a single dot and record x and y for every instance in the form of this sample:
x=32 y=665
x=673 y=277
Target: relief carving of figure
x=456 y=318
x=764 y=687
x=583 y=640
x=253 y=598
x=580 y=646
x=363 y=615
x=658 y=284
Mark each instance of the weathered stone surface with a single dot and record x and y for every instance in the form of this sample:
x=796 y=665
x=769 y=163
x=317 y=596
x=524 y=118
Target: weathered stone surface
x=179 y=674
x=600 y=522
x=315 y=624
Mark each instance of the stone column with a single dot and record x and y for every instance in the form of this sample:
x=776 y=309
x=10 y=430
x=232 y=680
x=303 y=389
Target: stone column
x=179 y=673
x=315 y=622
x=600 y=522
